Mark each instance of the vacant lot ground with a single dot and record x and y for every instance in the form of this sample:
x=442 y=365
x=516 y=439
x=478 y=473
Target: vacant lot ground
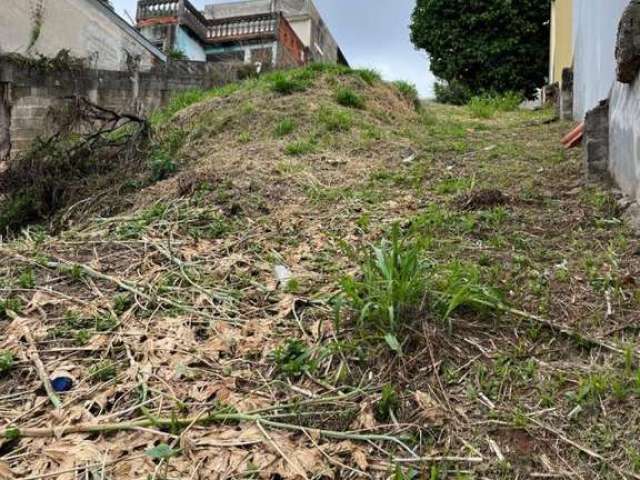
x=331 y=285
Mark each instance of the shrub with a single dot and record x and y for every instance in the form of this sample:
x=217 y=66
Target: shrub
x=409 y=92
x=452 y=93
x=335 y=120
x=19 y=210
x=285 y=127
x=162 y=166
x=348 y=98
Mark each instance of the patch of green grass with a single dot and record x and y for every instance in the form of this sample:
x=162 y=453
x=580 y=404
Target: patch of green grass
x=10 y=304
x=335 y=120
x=294 y=358
x=347 y=97
x=486 y=106
x=285 y=127
x=300 y=147
x=369 y=76
x=6 y=362
x=244 y=137
x=26 y=279
x=388 y=404
x=390 y=288
x=287 y=84
x=450 y=186
x=409 y=92
x=185 y=99
x=103 y=371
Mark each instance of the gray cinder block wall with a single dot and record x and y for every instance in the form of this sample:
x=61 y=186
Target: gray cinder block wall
x=27 y=94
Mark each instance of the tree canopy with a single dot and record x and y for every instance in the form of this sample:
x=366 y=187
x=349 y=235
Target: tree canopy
x=485 y=45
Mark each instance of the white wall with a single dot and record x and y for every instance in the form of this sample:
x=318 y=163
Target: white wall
x=595 y=31
x=624 y=137
x=82 y=26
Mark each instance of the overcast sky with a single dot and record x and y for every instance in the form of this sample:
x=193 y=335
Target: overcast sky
x=372 y=33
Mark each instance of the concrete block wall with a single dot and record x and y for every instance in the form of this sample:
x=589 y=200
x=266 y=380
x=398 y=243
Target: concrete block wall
x=27 y=95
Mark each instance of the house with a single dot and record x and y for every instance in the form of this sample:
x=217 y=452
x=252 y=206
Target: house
x=276 y=32
x=561 y=52
x=89 y=29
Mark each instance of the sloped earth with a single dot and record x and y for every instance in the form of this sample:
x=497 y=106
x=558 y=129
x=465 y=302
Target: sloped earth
x=172 y=325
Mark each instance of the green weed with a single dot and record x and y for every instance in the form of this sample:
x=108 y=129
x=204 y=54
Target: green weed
x=391 y=288
x=294 y=358
x=335 y=120
x=285 y=127
x=6 y=362
x=103 y=371
x=286 y=85
x=300 y=147
x=349 y=98
x=486 y=106
x=369 y=76
x=388 y=404
x=26 y=279
x=409 y=92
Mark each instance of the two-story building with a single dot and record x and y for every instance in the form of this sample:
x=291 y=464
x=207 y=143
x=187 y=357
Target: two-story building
x=276 y=32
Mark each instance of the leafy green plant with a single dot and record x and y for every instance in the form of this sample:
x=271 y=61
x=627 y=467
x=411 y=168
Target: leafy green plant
x=285 y=127
x=389 y=403
x=6 y=362
x=391 y=288
x=26 y=279
x=103 y=371
x=10 y=304
x=349 y=98
x=294 y=358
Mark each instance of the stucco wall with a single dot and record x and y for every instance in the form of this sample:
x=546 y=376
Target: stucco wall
x=595 y=30
x=624 y=136
x=85 y=27
x=189 y=46
x=561 y=39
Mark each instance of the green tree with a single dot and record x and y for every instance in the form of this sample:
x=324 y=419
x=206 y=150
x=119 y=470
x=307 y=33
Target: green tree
x=485 y=45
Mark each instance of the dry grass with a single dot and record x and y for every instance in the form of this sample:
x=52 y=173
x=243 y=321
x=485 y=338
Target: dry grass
x=177 y=301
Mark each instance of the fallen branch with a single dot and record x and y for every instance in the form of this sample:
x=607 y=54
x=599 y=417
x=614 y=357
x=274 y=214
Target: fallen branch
x=159 y=423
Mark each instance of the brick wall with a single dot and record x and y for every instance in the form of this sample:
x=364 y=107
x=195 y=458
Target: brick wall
x=27 y=95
